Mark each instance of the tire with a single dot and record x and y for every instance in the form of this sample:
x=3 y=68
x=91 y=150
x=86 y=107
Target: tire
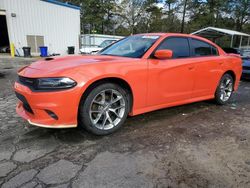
x=224 y=90
x=104 y=109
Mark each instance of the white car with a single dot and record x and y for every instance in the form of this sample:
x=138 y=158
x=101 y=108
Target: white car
x=93 y=50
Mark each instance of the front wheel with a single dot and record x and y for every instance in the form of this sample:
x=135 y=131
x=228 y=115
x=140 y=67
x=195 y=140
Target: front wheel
x=105 y=109
x=224 y=90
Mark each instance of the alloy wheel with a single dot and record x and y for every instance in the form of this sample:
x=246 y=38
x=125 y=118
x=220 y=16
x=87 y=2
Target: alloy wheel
x=107 y=109
x=226 y=89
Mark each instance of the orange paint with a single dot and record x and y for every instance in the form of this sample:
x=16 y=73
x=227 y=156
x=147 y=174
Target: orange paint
x=155 y=83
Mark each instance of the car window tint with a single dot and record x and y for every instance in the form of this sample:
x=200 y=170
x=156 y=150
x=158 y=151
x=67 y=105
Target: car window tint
x=214 y=51
x=179 y=46
x=202 y=48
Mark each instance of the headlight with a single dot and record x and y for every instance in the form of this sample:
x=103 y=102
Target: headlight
x=54 y=83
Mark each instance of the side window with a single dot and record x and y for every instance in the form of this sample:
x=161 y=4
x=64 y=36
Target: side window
x=179 y=46
x=214 y=51
x=202 y=48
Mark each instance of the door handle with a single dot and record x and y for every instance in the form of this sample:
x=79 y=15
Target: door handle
x=221 y=63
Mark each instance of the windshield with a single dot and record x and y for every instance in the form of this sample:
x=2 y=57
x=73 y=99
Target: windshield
x=132 y=46
x=106 y=43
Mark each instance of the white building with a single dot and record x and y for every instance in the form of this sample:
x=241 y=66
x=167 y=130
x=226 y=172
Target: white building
x=35 y=23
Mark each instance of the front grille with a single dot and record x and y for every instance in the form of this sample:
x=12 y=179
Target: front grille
x=29 y=82
x=26 y=105
x=246 y=68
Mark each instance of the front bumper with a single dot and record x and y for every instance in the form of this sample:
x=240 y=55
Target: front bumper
x=48 y=109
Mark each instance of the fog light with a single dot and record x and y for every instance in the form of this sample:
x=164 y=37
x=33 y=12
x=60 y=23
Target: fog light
x=52 y=114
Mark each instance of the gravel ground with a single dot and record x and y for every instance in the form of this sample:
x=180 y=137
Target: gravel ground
x=196 y=145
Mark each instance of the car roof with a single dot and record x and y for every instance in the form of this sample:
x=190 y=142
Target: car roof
x=173 y=34
x=166 y=34
x=180 y=35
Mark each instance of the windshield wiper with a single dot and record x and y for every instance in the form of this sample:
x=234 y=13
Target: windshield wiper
x=111 y=55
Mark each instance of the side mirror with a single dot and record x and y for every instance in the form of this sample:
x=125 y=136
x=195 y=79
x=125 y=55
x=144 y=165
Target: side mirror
x=163 y=54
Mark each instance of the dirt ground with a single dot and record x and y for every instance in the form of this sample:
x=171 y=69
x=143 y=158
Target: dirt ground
x=196 y=145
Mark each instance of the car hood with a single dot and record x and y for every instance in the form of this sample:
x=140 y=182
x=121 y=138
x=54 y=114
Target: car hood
x=56 y=64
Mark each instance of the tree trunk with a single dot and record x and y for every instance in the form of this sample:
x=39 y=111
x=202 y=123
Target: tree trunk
x=183 y=16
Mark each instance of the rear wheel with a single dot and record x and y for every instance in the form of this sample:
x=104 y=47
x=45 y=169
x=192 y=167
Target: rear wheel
x=224 y=90
x=105 y=109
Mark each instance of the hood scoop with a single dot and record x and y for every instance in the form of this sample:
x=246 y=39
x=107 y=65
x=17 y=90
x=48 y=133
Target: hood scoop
x=49 y=58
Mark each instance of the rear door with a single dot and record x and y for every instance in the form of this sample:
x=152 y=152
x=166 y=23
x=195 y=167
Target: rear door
x=171 y=80
x=208 y=65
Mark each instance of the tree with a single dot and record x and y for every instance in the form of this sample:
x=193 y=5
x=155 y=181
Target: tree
x=155 y=23
x=96 y=15
x=240 y=12
x=183 y=16
x=132 y=12
x=125 y=17
x=171 y=13
x=206 y=13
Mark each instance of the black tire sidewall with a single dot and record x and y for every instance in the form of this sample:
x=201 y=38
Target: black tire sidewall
x=84 y=119
x=218 y=91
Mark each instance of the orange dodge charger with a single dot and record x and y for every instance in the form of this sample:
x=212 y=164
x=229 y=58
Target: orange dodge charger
x=137 y=74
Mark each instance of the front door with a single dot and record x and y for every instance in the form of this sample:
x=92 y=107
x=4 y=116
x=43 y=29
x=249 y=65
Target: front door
x=171 y=80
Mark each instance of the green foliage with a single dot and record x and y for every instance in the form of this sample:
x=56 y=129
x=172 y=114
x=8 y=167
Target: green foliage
x=124 y=17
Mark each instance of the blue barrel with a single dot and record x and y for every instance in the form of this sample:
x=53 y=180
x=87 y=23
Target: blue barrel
x=44 y=51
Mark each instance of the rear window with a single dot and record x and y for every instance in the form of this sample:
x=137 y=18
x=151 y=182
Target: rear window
x=201 y=48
